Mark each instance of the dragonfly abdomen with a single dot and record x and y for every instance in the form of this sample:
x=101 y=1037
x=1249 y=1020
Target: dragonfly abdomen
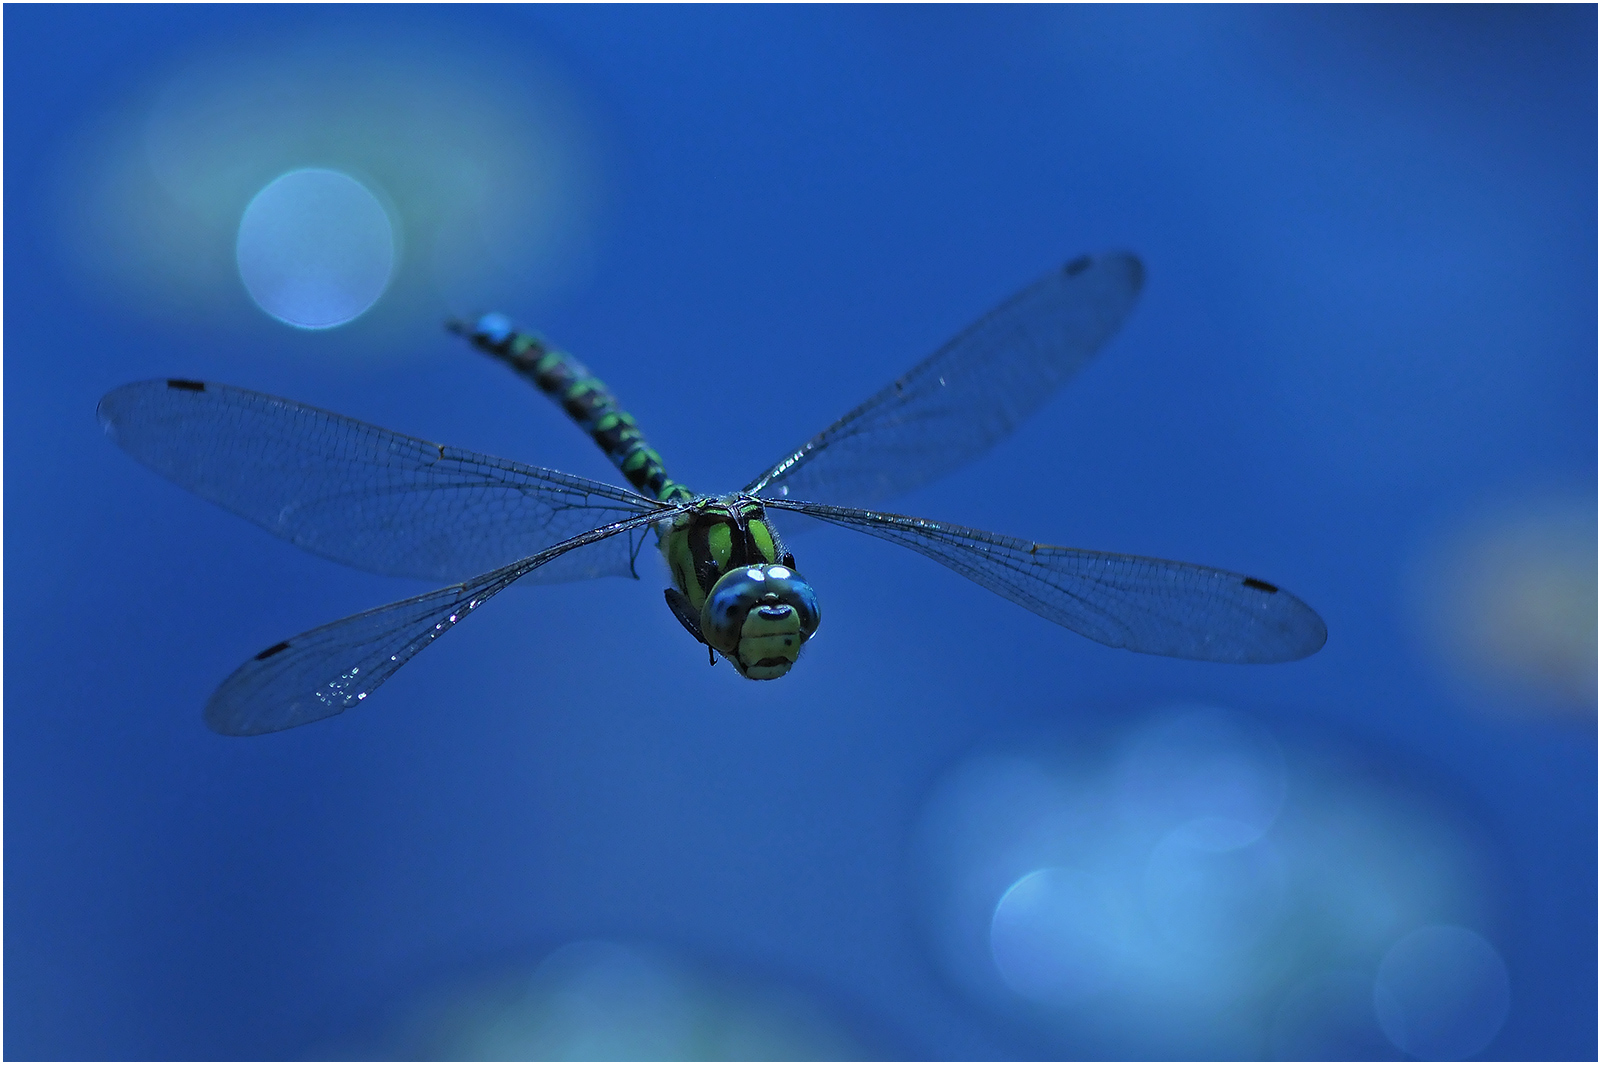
x=584 y=397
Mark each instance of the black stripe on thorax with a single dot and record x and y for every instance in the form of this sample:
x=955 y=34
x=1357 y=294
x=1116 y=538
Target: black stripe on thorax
x=742 y=548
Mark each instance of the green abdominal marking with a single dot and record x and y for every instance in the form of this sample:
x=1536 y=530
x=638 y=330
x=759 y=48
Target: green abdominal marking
x=584 y=397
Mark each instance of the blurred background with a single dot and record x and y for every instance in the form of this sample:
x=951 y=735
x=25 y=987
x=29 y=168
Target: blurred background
x=1364 y=366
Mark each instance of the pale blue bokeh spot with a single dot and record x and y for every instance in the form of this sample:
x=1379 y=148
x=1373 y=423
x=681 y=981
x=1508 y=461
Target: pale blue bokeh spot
x=1053 y=936
x=1214 y=774
x=1442 y=993
x=315 y=248
x=1208 y=902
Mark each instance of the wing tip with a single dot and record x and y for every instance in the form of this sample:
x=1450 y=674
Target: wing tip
x=1309 y=630
x=219 y=718
x=1301 y=631
x=227 y=714
x=225 y=719
x=108 y=409
x=1313 y=646
x=111 y=405
x=1127 y=260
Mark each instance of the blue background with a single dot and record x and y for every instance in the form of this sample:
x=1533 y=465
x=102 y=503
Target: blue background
x=1370 y=237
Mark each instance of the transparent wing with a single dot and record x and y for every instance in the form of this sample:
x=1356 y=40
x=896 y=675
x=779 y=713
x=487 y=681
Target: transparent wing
x=330 y=669
x=957 y=403
x=1144 y=604
x=361 y=495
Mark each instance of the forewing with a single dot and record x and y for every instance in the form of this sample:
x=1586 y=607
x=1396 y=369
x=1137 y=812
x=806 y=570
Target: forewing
x=330 y=669
x=362 y=495
x=1144 y=604
x=957 y=403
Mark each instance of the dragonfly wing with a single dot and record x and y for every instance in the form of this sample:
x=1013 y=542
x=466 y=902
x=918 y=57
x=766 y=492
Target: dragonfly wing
x=332 y=668
x=362 y=495
x=957 y=403
x=1144 y=604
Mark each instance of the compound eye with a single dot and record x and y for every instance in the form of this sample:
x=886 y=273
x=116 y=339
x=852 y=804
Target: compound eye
x=757 y=606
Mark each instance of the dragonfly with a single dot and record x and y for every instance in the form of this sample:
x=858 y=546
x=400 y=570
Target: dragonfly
x=403 y=506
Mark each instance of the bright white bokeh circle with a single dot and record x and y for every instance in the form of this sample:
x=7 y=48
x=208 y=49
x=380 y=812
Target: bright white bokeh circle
x=315 y=248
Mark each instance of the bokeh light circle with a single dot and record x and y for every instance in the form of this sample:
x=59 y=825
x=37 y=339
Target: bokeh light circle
x=1207 y=773
x=607 y=1000
x=315 y=248
x=1188 y=885
x=1208 y=902
x=1051 y=935
x=489 y=166
x=1507 y=598
x=1442 y=993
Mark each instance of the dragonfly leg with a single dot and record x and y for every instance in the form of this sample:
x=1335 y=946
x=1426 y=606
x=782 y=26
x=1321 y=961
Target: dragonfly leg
x=686 y=614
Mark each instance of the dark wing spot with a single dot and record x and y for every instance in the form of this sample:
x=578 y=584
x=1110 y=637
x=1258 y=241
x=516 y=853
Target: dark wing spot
x=1077 y=266
x=274 y=649
x=1261 y=586
x=186 y=386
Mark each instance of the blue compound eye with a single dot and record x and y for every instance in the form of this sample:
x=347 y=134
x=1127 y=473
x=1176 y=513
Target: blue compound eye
x=758 y=617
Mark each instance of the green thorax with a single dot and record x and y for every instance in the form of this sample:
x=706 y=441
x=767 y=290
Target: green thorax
x=715 y=537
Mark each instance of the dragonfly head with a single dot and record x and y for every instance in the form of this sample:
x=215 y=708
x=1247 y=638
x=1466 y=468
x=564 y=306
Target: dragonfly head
x=758 y=617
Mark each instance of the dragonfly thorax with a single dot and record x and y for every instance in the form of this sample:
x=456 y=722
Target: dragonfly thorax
x=736 y=589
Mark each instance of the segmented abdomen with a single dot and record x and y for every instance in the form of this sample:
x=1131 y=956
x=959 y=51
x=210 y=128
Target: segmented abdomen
x=585 y=399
